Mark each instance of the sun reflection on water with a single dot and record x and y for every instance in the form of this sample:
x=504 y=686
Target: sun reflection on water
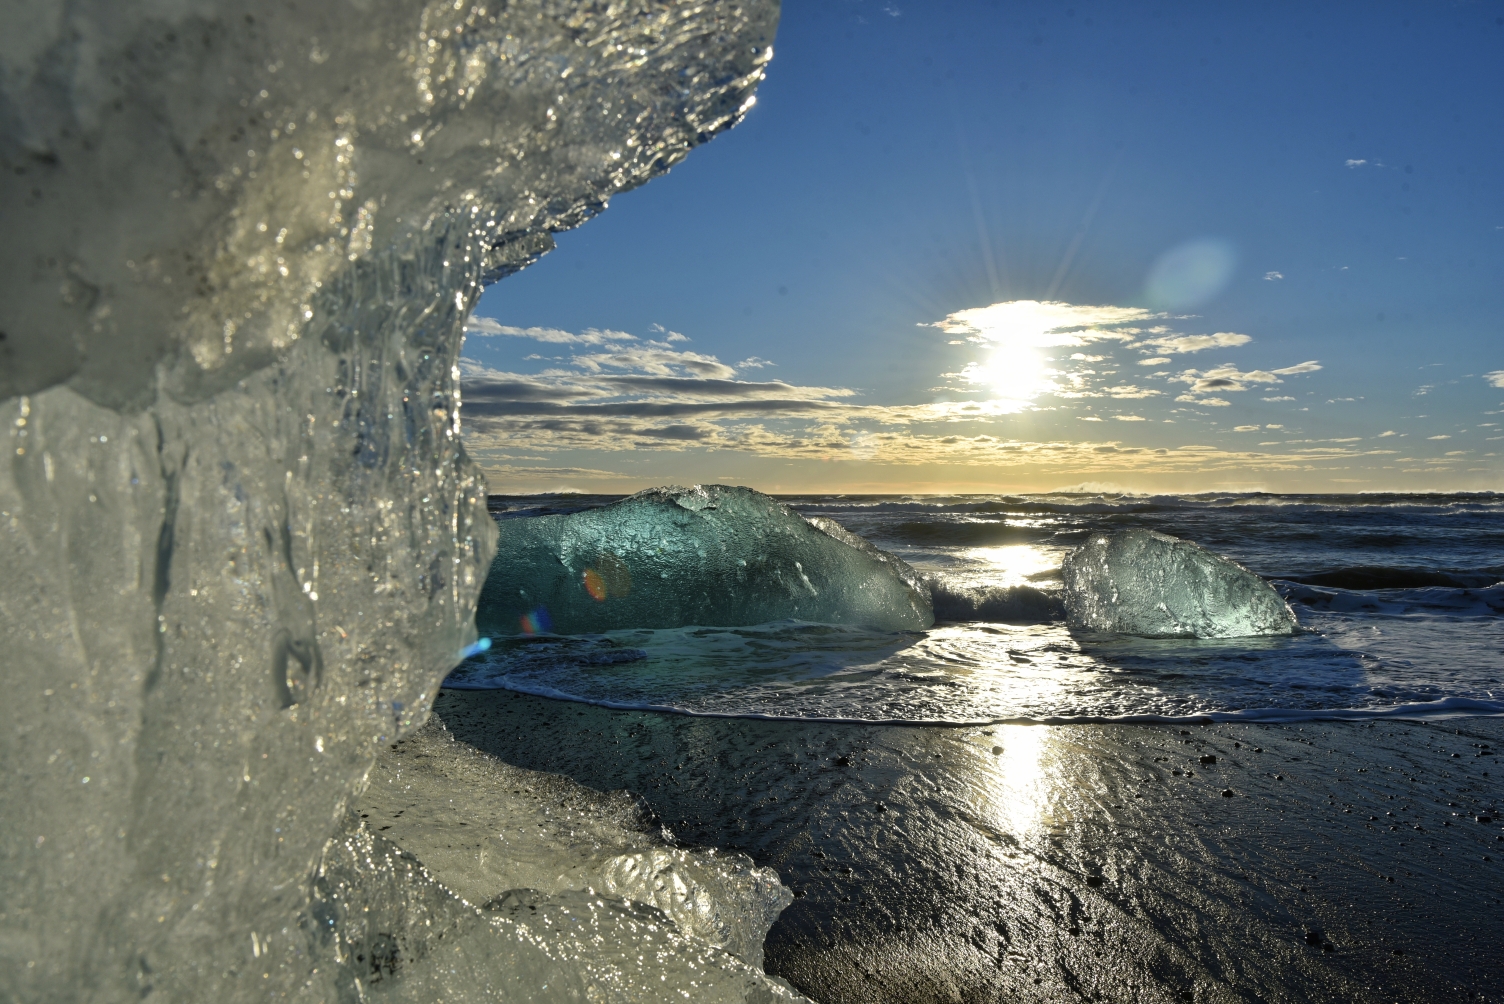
x=1011 y=564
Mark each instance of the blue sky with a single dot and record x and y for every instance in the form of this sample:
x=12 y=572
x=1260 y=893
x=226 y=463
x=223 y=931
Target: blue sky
x=1015 y=247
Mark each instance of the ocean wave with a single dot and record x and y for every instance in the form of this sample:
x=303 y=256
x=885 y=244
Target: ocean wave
x=1362 y=577
x=1285 y=507
x=1381 y=585
x=997 y=604
x=1453 y=601
x=1089 y=502
x=951 y=533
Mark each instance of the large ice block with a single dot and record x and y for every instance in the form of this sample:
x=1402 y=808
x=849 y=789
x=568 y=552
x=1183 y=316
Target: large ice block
x=709 y=555
x=1144 y=583
x=455 y=877
x=240 y=538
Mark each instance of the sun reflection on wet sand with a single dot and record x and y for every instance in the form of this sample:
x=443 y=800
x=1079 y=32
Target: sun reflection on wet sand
x=1079 y=862
x=1019 y=783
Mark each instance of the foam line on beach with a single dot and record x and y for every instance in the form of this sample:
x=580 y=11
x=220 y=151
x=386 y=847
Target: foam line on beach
x=1450 y=707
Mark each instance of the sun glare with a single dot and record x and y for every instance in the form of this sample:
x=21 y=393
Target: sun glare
x=1011 y=565
x=1016 y=370
x=1018 y=790
x=1013 y=372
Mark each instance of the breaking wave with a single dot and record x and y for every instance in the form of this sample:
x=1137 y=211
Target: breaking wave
x=1365 y=577
x=997 y=604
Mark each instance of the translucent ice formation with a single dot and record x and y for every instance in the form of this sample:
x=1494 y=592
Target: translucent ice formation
x=1144 y=583
x=709 y=555
x=457 y=877
x=241 y=541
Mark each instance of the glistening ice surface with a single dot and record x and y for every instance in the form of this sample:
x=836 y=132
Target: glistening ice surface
x=1151 y=585
x=707 y=555
x=457 y=877
x=1399 y=599
x=242 y=542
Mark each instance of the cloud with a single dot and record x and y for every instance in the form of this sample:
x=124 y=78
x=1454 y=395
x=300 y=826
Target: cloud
x=1389 y=432
x=985 y=451
x=493 y=394
x=657 y=361
x=515 y=471
x=1356 y=163
x=1495 y=379
x=489 y=326
x=1245 y=428
x=669 y=336
x=1439 y=437
x=613 y=391
x=681 y=433
x=1284 y=397
x=1229 y=378
x=631 y=391
x=1130 y=392
x=1043 y=323
x=1015 y=368
x=1195 y=343
x=1273 y=276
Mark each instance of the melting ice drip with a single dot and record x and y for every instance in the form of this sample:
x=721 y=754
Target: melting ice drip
x=242 y=542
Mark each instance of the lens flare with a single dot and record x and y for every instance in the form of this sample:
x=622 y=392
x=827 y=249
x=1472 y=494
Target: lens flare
x=536 y=622
x=1190 y=274
x=595 y=585
x=609 y=577
x=479 y=646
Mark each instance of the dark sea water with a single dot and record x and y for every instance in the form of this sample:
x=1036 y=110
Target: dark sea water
x=1401 y=598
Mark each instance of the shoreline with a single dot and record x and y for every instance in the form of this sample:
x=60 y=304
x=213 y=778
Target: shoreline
x=1441 y=710
x=1084 y=861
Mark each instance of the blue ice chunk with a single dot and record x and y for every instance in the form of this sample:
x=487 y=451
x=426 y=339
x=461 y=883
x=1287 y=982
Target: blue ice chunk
x=1150 y=584
x=710 y=555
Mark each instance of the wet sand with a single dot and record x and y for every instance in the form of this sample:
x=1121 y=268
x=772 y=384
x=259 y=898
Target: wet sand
x=1311 y=862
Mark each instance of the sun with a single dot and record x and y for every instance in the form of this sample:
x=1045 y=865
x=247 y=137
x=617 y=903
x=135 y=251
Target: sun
x=1015 y=368
x=1014 y=373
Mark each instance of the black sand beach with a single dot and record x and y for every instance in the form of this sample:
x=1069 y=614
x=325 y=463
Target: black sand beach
x=1311 y=862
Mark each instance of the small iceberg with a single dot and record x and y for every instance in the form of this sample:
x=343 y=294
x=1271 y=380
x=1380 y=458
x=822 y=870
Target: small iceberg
x=710 y=555
x=1150 y=584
